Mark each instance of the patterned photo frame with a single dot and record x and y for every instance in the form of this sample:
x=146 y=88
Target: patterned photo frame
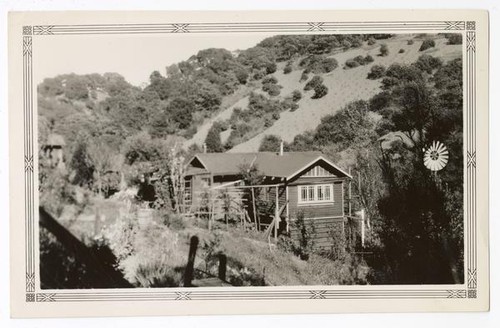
x=33 y=34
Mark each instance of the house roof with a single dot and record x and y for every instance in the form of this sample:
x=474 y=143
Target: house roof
x=269 y=163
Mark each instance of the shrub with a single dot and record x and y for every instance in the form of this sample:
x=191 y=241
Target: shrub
x=242 y=76
x=401 y=51
x=273 y=90
x=428 y=43
x=319 y=64
x=384 y=50
x=376 y=72
x=315 y=81
x=305 y=245
x=351 y=63
x=213 y=141
x=304 y=77
x=270 y=142
x=270 y=80
x=380 y=101
x=360 y=59
x=454 y=38
x=296 y=95
x=287 y=69
x=294 y=107
x=410 y=42
x=346 y=44
x=428 y=63
x=258 y=74
x=320 y=91
x=371 y=41
x=271 y=68
x=369 y=59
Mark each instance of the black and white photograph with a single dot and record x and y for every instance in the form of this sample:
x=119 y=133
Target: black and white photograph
x=296 y=160
x=198 y=161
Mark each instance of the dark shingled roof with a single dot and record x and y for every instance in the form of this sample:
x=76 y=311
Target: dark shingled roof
x=269 y=163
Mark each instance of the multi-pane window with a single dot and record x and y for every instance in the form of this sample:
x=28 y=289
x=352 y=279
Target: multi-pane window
x=317 y=171
x=187 y=192
x=316 y=193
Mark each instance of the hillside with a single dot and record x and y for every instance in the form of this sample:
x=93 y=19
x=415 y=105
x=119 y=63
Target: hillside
x=344 y=85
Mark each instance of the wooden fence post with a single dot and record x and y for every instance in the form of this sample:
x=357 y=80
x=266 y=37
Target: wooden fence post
x=222 y=267
x=189 y=273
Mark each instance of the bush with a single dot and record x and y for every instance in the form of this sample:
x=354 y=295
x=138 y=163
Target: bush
x=273 y=90
x=360 y=59
x=287 y=69
x=376 y=72
x=270 y=80
x=313 y=83
x=384 y=50
x=351 y=63
x=454 y=38
x=304 y=246
x=242 y=76
x=294 y=107
x=271 y=68
x=428 y=63
x=410 y=42
x=270 y=142
x=371 y=41
x=304 y=77
x=368 y=59
x=319 y=64
x=320 y=91
x=296 y=95
x=401 y=51
x=428 y=43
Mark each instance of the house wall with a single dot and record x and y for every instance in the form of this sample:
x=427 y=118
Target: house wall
x=334 y=209
x=323 y=231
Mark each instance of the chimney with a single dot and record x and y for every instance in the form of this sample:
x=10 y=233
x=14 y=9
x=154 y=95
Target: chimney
x=204 y=147
x=281 y=148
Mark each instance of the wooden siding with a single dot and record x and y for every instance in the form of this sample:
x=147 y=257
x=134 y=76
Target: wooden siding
x=334 y=209
x=323 y=233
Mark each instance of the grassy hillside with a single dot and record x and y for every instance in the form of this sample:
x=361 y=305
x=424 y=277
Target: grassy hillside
x=344 y=85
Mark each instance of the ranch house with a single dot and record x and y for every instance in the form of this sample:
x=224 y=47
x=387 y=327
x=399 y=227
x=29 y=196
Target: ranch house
x=290 y=182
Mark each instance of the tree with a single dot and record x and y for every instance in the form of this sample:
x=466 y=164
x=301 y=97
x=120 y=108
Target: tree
x=296 y=95
x=384 y=50
x=376 y=72
x=213 y=141
x=271 y=143
x=426 y=44
x=181 y=111
x=320 y=91
x=349 y=126
x=313 y=83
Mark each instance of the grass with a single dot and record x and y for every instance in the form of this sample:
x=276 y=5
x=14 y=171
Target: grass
x=344 y=86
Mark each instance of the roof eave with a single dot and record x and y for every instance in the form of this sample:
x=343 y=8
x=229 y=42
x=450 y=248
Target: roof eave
x=314 y=161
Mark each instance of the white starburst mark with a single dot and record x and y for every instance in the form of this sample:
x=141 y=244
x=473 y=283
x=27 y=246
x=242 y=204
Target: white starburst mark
x=436 y=156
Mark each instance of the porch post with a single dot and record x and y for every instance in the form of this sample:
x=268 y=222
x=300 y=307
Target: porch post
x=276 y=214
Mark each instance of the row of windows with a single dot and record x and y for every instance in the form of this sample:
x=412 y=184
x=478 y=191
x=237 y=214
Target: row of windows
x=317 y=171
x=316 y=193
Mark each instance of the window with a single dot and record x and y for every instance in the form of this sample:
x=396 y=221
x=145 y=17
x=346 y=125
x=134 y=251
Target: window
x=316 y=194
x=187 y=192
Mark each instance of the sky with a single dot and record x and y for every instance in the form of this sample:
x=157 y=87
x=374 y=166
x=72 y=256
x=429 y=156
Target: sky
x=134 y=57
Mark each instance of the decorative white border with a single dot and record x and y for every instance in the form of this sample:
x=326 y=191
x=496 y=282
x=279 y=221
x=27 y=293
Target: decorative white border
x=467 y=290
